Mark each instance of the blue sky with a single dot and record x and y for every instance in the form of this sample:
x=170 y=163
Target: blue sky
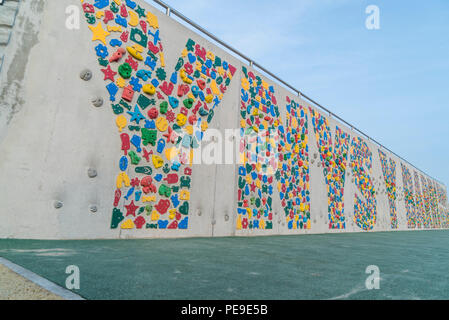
x=392 y=83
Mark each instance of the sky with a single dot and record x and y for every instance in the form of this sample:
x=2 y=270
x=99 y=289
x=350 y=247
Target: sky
x=392 y=83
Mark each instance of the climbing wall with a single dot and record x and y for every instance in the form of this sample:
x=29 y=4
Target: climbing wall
x=107 y=146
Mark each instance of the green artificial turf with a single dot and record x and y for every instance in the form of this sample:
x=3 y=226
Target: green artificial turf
x=413 y=265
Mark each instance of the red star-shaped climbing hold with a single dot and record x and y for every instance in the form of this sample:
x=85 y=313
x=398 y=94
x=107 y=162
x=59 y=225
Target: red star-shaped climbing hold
x=147 y=154
x=131 y=209
x=253 y=187
x=109 y=74
x=171 y=135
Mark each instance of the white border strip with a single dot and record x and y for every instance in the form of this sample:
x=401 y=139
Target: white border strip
x=44 y=283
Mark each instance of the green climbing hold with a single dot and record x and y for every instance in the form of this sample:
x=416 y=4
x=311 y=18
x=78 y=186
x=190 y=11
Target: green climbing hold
x=164 y=190
x=184 y=208
x=242 y=182
x=149 y=136
x=134 y=128
x=125 y=70
x=103 y=62
x=190 y=45
x=145 y=170
x=117 y=217
x=142 y=38
x=197 y=74
x=125 y=105
x=217 y=62
x=90 y=18
x=135 y=159
x=210 y=116
x=143 y=101
x=194 y=144
x=163 y=107
x=179 y=64
x=141 y=12
x=188 y=103
x=203 y=112
x=114 y=7
x=269 y=201
x=161 y=74
x=117 y=108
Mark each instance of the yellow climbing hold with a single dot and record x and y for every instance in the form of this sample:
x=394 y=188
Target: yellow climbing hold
x=172 y=214
x=210 y=55
x=161 y=124
x=157 y=161
x=161 y=55
x=114 y=28
x=120 y=82
x=214 y=88
x=184 y=195
x=171 y=153
x=134 y=51
x=149 y=89
x=122 y=178
x=152 y=20
x=121 y=122
x=98 y=33
x=181 y=119
x=148 y=198
x=133 y=18
x=184 y=77
x=239 y=222
x=128 y=224
x=154 y=216
x=209 y=98
x=264 y=84
x=189 y=130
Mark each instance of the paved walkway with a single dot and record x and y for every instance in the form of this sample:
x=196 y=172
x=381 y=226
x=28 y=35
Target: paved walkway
x=413 y=265
x=15 y=287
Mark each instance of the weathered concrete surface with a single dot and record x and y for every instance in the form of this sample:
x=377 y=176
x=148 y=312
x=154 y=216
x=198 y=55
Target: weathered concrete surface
x=51 y=135
x=8 y=13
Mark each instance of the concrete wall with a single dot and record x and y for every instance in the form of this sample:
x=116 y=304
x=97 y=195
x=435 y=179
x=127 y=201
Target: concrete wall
x=8 y=12
x=60 y=154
